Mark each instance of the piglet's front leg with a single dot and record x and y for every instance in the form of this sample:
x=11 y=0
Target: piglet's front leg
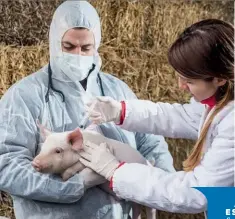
x=71 y=171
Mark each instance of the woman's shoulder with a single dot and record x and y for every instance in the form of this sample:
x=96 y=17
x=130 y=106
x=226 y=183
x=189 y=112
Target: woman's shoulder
x=225 y=119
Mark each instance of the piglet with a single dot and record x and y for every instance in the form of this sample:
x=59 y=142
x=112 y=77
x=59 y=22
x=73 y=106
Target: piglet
x=60 y=155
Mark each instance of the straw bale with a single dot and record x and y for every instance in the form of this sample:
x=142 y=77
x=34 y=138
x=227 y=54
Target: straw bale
x=26 y=22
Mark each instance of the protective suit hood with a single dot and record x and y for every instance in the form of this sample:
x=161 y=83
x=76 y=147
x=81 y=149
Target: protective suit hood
x=68 y=15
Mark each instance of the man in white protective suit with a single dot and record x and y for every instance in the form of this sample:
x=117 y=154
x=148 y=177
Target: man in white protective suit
x=56 y=96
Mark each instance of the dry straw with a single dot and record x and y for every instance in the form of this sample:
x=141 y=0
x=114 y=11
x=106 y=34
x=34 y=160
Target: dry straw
x=136 y=36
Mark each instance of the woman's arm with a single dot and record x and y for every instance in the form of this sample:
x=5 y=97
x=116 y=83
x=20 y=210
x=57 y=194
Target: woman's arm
x=169 y=120
x=172 y=191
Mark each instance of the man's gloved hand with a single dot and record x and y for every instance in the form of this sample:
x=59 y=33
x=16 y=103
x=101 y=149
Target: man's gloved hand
x=91 y=178
x=100 y=159
x=104 y=109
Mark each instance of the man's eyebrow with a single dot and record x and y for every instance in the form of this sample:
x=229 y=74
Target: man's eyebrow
x=67 y=42
x=88 y=44
x=85 y=45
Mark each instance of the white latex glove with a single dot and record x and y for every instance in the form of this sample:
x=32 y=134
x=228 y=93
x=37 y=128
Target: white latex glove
x=91 y=178
x=99 y=158
x=104 y=109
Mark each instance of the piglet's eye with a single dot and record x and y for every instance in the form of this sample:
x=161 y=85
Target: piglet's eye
x=58 y=150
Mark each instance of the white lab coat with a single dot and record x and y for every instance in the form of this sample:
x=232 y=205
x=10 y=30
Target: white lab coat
x=173 y=192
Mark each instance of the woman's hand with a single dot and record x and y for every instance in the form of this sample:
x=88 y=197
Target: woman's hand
x=104 y=109
x=99 y=158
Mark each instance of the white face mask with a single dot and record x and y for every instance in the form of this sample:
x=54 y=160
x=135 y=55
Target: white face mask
x=76 y=67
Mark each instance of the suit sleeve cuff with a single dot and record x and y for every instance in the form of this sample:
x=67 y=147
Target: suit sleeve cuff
x=111 y=180
x=123 y=113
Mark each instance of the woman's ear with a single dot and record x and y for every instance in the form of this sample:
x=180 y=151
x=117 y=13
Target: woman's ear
x=219 y=82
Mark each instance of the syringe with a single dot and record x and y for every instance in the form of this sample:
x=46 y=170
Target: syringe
x=86 y=117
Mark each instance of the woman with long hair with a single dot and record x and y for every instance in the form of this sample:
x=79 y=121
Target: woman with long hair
x=203 y=56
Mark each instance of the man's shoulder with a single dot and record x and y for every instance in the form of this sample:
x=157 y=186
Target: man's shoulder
x=117 y=86
x=112 y=79
x=36 y=79
x=28 y=86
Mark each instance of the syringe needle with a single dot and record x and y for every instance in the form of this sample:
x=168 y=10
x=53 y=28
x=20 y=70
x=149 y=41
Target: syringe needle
x=86 y=117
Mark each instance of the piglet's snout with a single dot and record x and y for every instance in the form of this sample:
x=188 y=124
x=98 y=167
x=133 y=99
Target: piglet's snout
x=38 y=165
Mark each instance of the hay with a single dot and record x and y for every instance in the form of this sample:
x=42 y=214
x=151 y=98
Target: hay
x=136 y=36
x=16 y=63
x=26 y=22
x=6 y=208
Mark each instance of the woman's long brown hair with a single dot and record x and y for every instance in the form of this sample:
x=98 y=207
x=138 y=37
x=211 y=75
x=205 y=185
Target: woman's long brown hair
x=205 y=50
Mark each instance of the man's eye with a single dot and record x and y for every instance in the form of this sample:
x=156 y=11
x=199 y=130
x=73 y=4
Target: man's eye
x=68 y=47
x=85 y=49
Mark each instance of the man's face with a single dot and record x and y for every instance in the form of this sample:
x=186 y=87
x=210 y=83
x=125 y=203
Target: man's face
x=78 y=41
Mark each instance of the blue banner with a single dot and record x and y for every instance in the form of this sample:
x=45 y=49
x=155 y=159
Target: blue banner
x=221 y=202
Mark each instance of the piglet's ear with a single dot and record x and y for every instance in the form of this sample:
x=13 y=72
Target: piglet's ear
x=76 y=139
x=43 y=130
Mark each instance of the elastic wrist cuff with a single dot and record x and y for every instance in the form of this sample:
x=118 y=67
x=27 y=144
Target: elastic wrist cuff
x=123 y=112
x=111 y=180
